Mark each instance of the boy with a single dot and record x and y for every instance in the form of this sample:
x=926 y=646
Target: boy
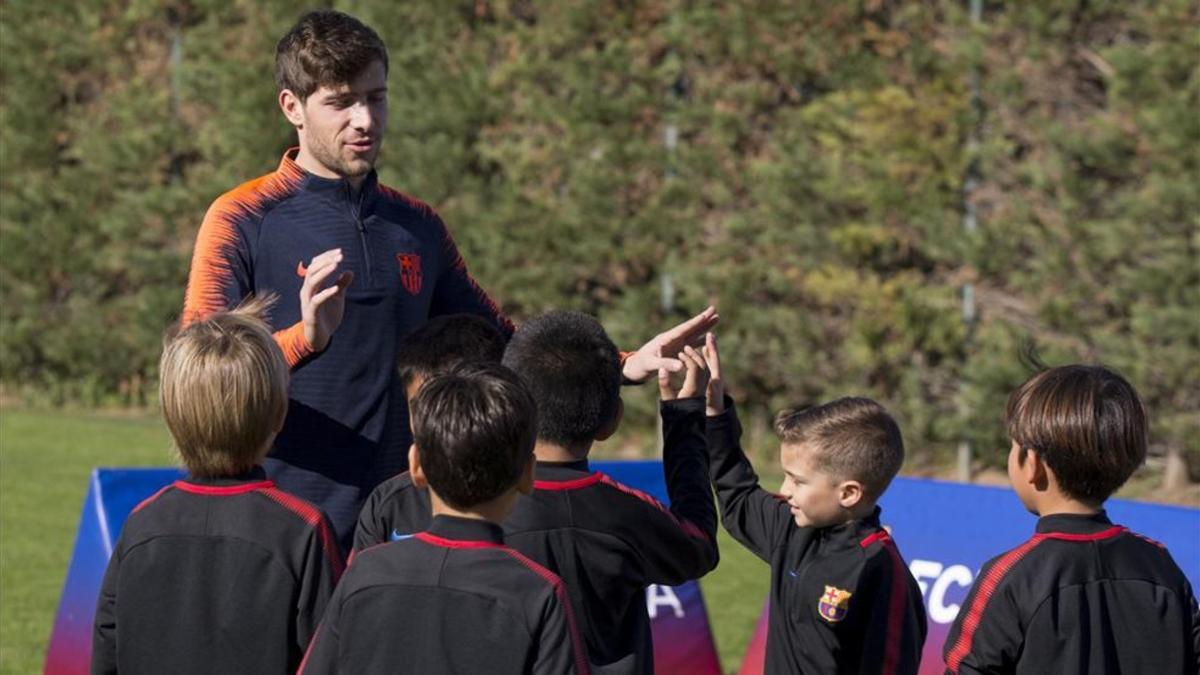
x=842 y=599
x=607 y=541
x=221 y=571
x=455 y=599
x=437 y=347
x=1082 y=595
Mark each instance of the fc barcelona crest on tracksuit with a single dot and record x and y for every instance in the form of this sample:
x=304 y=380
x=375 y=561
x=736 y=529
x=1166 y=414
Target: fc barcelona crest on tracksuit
x=410 y=272
x=834 y=604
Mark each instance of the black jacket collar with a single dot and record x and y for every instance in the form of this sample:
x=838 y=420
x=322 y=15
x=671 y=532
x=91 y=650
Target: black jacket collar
x=466 y=529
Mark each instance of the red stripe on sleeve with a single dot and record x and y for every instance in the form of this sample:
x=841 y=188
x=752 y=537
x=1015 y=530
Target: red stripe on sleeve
x=987 y=586
x=151 y=498
x=560 y=591
x=689 y=527
x=896 y=604
x=315 y=518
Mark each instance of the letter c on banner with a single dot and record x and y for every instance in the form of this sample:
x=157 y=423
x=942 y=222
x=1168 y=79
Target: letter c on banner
x=939 y=611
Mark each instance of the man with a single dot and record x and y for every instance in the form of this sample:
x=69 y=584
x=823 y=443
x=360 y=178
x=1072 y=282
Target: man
x=345 y=254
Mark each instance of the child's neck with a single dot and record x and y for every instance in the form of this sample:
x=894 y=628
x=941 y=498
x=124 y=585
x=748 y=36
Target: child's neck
x=494 y=511
x=1052 y=504
x=551 y=452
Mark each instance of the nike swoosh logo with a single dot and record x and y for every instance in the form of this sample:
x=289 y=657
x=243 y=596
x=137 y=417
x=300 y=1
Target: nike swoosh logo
x=301 y=270
x=396 y=536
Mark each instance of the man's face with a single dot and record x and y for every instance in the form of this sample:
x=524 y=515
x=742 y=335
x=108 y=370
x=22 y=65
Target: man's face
x=342 y=127
x=812 y=494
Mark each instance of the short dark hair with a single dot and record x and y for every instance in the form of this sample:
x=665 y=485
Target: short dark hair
x=852 y=438
x=446 y=341
x=1086 y=422
x=573 y=370
x=475 y=428
x=325 y=48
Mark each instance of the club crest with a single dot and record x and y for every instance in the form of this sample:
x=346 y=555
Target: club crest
x=834 y=604
x=410 y=272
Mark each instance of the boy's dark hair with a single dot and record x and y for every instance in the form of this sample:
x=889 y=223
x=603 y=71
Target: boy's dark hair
x=446 y=341
x=325 y=48
x=475 y=428
x=1086 y=422
x=573 y=371
x=852 y=438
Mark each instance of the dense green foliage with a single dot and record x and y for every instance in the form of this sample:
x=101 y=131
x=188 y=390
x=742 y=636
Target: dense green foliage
x=802 y=164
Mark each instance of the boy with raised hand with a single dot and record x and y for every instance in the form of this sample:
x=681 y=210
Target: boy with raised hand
x=454 y=598
x=394 y=507
x=220 y=572
x=1082 y=595
x=606 y=540
x=842 y=599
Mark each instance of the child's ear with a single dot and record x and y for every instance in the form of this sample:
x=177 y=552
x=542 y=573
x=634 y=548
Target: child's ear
x=414 y=467
x=1038 y=474
x=850 y=493
x=525 y=482
x=611 y=428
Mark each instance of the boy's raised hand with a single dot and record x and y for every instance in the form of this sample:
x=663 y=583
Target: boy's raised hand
x=714 y=395
x=695 y=379
x=663 y=350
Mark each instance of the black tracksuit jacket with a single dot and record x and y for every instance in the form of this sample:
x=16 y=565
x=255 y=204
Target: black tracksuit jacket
x=453 y=599
x=1081 y=596
x=215 y=576
x=607 y=541
x=842 y=598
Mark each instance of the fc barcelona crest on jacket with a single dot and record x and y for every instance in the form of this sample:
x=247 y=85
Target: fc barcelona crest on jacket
x=410 y=272
x=834 y=604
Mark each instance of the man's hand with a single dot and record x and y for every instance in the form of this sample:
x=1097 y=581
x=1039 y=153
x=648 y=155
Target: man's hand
x=321 y=307
x=695 y=381
x=663 y=350
x=714 y=395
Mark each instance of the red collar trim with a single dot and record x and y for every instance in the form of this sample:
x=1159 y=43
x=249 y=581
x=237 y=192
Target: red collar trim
x=223 y=490
x=1095 y=536
x=567 y=484
x=455 y=543
x=881 y=535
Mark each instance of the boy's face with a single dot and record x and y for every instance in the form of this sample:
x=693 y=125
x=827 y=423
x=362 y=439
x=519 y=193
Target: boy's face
x=813 y=495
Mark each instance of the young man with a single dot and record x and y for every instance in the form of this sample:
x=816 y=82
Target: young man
x=344 y=254
x=842 y=599
x=437 y=347
x=607 y=541
x=454 y=598
x=1082 y=595
x=221 y=571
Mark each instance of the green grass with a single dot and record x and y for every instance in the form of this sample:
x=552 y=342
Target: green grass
x=46 y=458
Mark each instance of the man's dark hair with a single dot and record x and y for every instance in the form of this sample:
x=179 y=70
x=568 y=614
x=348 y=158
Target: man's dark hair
x=1086 y=422
x=474 y=427
x=851 y=438
x=574 y=372
x=325 y=48
x=446 y=341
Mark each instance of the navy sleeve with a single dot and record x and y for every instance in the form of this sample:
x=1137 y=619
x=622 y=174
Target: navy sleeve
x=560 y=647
x=894 y=628
x=457 y=292
x=753 y=516
x=685 y=468
x=986 y=636
x=322 y=654
x=370 y=530
x=318 y=578
x=104 y=634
